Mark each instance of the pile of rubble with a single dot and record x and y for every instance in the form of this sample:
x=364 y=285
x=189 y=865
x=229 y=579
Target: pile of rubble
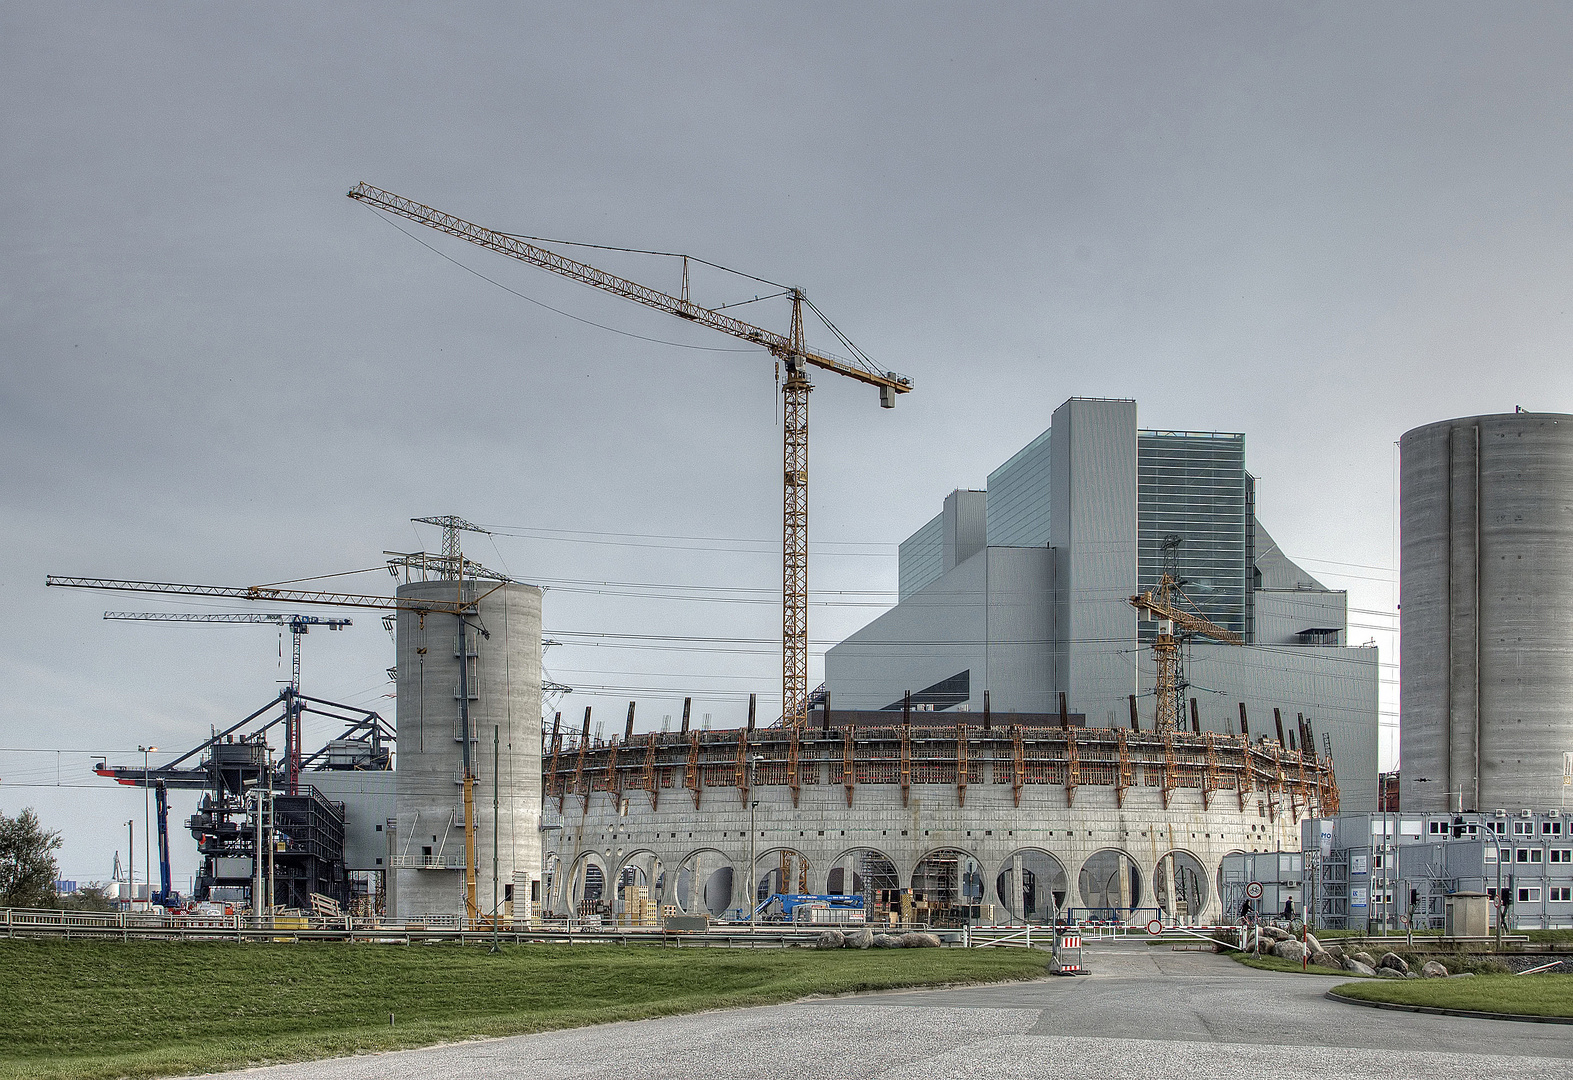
x=1282 y=944
x=864 y=938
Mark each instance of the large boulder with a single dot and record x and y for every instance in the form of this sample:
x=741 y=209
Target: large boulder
x=830 y=939
x=919 y=940
x=1364 y=957
x=1275 y=933
x=1394 y=961
x=887 y=941
x=1351 y=964
x=1389 y=973
x=1289 y=950
x=1312 y=945
x=861 y=938
x=1337 y=953
x=1325 y=959
x=1431 y=969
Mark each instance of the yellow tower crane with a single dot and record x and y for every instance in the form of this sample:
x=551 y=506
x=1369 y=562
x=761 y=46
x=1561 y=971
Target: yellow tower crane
x=1159 y=604
x=789 y=349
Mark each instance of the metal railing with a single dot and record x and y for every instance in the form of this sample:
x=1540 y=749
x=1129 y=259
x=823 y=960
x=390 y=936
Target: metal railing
x=126 y=925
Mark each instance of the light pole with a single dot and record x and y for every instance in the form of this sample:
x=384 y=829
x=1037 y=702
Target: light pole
x=147 y=823
x=131 y=862
x=753 y=840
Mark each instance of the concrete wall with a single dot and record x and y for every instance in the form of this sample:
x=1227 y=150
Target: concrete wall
x=506 y=696
x=990 y=829
x=1486 y=584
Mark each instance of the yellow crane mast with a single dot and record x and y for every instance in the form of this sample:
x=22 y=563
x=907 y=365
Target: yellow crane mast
x=789 y=349
x=1172 y=620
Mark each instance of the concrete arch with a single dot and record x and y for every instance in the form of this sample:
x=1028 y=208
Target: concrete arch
x=704 y=882
x=587 y=885
x=1109 y=883
x=1180 y=887
x=1032 y=885
x=780 y=868
x=948 y=876
x=649 y=874
x=871 y=870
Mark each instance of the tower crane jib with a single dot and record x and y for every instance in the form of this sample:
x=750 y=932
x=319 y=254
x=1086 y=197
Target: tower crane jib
x=789 y=349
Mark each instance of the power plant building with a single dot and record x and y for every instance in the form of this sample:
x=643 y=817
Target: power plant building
x=1014 y=783
x=1486 y=585
x=1021 y=591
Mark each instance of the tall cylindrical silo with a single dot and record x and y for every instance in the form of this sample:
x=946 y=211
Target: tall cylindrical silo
x=502 y=643
x=1486 y=593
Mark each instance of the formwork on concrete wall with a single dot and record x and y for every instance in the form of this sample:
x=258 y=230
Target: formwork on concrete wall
x=968 y=822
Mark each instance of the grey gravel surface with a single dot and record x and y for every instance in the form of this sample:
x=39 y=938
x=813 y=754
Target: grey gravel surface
x=1144 y=1011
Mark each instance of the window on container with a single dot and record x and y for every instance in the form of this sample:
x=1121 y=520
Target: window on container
x=1491 y=854
x=1523 y=828
x=1551 y=828
x=1562 y=892
x=1562 y=854
x=1530 y=895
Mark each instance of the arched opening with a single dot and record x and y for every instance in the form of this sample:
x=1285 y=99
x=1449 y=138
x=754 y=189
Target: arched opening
x=869 y=873
x=704 y=883
x=863 y=872
x=947 y=887
x=587 y=891
x=1031 y=886
x=1179 y=886
x=782 y=870
x=1110 y=884
x=639 y=885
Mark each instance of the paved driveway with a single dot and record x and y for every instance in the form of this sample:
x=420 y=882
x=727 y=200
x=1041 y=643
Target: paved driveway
x=1145 y=1011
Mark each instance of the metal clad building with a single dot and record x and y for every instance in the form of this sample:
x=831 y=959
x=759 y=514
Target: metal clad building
x=1074 y=525
x=1486 y=584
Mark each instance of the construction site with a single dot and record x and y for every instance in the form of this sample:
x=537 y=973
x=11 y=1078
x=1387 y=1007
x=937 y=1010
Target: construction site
x=1159 y=691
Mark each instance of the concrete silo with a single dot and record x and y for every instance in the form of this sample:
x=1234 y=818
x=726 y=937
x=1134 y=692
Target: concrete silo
x=1486 y=585
x=502 y=646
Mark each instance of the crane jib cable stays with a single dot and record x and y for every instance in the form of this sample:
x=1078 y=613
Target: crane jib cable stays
x=789 y=349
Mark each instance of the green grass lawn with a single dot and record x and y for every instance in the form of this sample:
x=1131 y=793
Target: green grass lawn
x=140 y=1009
x=1527 y=995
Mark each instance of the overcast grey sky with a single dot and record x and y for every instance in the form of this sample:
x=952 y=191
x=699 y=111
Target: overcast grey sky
x=1317 y=224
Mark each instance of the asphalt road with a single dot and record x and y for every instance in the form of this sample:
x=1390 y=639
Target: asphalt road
x=1145 y=1011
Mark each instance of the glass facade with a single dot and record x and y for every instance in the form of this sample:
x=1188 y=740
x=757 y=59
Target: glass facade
x=1018 y=498
x=1193 y=485
x=921 y=557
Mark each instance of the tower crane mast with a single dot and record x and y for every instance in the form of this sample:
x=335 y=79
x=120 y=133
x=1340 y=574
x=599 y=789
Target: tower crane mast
x=788 y=349
x=1172 y=621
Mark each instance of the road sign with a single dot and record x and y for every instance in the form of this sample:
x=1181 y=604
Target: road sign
x=1155 y=927
x=1254 y=890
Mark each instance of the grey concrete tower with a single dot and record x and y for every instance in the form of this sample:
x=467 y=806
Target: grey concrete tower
x=504 y=683
x=1486 y=590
